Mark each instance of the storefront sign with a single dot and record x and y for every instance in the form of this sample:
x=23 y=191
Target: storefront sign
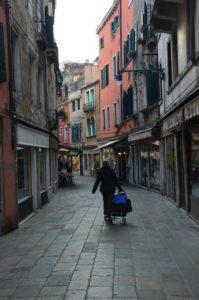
x=140 y=136
x=31 y=137
x=174 y=121
x=192 y=109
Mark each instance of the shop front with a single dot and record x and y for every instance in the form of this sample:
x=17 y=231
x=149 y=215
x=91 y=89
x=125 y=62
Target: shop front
x=145 y=158
x=191 y=113
x=32 y=169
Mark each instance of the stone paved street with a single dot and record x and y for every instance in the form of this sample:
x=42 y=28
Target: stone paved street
x=66 y=251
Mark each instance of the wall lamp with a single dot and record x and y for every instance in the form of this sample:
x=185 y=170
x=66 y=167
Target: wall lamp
x=140 y=71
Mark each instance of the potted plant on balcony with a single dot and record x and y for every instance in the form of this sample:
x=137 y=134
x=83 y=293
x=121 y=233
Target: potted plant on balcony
x=62 y=115
x=141 y=41
x=132 y=54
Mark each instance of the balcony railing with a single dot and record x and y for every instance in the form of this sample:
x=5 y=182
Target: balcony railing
x=89 y=107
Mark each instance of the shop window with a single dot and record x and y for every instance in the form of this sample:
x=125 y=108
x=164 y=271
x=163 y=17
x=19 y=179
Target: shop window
x=154 y=164
x=195 y=176
x=23 y=173
x=170 y=167
x=96 y=161
x=144 y=164
x=42 y=164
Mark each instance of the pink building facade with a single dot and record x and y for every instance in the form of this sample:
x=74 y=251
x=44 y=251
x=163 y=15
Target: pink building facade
x=117 y=36
x=8 y=202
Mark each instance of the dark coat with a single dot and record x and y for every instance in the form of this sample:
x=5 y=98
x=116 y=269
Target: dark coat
x=109 y=181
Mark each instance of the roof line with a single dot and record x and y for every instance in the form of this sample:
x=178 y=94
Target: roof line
x=108 y=15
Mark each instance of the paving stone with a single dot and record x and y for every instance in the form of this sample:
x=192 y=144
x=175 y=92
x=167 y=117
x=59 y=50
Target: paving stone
x=123 y=292
x=102 y=292
x=27 y=291
x=124 y=280
x=101 y=281
x=103 y=272
x=78 y=285
x=75 y=295
x=53 y=291
x=58 y=280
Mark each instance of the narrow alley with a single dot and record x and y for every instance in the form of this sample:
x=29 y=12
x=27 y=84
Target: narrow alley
x=67 y=251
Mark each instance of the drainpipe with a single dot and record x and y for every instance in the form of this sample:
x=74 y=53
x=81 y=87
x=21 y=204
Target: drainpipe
x=121 y=58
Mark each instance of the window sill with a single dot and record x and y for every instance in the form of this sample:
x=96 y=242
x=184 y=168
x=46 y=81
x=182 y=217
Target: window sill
x=91 y=136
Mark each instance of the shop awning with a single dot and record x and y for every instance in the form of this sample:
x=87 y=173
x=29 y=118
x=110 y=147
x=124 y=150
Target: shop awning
x=105 y=145
x=147 y=133
x=70 y=149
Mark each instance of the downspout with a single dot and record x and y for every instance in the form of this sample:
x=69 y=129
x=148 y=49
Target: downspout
x=121 y=58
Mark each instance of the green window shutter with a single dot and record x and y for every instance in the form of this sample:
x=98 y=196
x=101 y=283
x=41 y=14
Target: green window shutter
x=2 y=56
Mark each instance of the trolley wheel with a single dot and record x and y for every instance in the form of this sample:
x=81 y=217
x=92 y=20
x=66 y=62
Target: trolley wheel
x=124 y=221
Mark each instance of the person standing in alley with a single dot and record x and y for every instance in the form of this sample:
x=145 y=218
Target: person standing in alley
x=109 y=181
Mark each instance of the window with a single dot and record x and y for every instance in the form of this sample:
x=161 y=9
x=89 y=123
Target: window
x=41 y=90
x=191 y=43
x=108 y=117
x=66 y=91
x=30 y=7
x=73 y=105
x=114 y=25
x=92 y=96
x=16 y=63
x=169 y=63
x=114 y=67
x=23 y=172
x=115 y=113
x=105 y=76
x=65 y=134
x=102 y=42
x=172 y=56
x=60 y=131
x=103 y=120
x=89 y=127
x=78 y=104
x=93 y=126
x=2 y=56
x=118 y=62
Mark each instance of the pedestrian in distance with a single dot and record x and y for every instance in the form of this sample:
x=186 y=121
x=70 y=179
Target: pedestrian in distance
x=109 y=181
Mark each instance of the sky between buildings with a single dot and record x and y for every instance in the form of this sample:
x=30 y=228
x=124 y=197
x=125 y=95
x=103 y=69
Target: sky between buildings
x=76 y=22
